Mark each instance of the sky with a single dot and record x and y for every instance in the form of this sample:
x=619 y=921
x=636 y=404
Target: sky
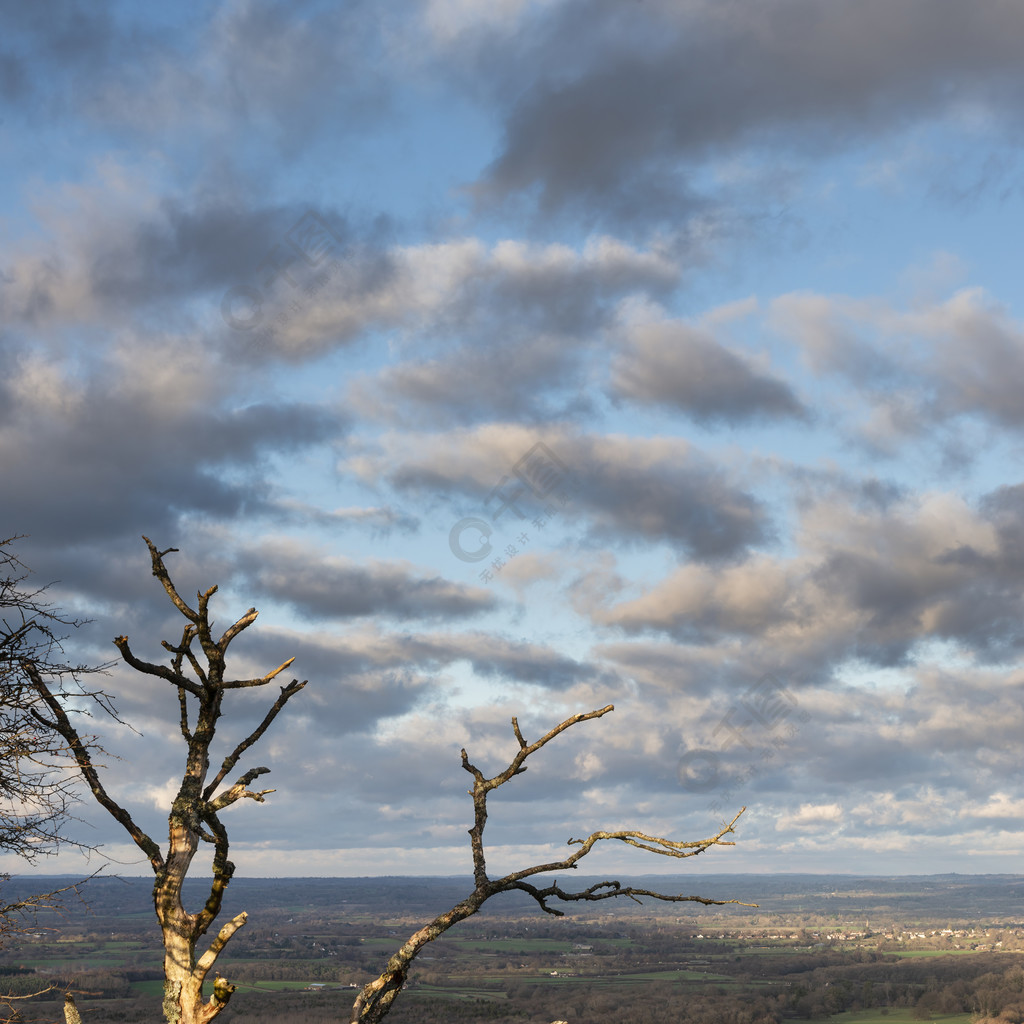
x=517 y=358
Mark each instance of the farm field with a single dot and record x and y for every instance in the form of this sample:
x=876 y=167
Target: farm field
x=302 y=959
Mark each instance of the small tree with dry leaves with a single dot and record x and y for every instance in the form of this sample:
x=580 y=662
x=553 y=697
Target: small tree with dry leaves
x=201 y=683
x=376 y=998
x=36 y=794
x=35 y=791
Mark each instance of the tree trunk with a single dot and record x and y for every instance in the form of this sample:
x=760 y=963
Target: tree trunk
x=184 y=976
x=183 y=993
x=71 y=1014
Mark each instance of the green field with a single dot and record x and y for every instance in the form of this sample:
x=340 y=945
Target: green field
x=508 y=946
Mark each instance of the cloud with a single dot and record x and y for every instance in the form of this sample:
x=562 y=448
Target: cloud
x=680 y=366
x=138 y=439
x=528 y=319
x=811 y=816
x=114 y=254
x=481 y=382
x=700 y=603
x=628 y=107
x=286 y=68
x=340 y=588
x=916 y=369
x=871 y=583
x=73 y=38
x=688 y=501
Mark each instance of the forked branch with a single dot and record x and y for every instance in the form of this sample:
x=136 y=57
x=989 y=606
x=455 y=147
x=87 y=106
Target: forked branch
x=375 y=1000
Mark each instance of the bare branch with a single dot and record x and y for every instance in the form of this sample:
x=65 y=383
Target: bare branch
x=517 y=767
x=240 y=791
x=232 y=759
x=518 y=734
x=214 y=654
x=375 y=1000
x=667 y=847
x=160 y=572
x=183 y=708
x=243 y=623
x=80 y=751
x=238 y=684
x=207 y=960
x=608 y=891
x=121 y=643
x=184 y=650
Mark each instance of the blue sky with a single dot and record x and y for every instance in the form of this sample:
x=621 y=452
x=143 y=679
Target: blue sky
x=723 y=296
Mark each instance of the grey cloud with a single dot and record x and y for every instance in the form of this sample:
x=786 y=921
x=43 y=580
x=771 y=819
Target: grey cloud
x=673 y=668
x=524 y=663
x=700 y=605
x=831 y=334
x=530 y=321
x=343 y=589
x=871 y=583
x=872 y=762
x=192 y=248
x=301 y=67
x=65 y=37
x=917 y=371
x=866 y=493
x=632 y=101
x=115 y=465
x=1004 y=508
x=632 y=489
x=130 y=262
x=13 y=77
x=199 y=247
x=979 y=362
x=688 y=502
x=954 y=729
x=429 y=652
x=558 y=290
x=290 y=66
x=335 y=704
x=959 y=593
x=505 y=378
x=380 y=521
x=675 y=365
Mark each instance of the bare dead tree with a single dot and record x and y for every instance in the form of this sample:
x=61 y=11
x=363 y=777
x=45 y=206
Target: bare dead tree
x=201 y=683
x=376 y=998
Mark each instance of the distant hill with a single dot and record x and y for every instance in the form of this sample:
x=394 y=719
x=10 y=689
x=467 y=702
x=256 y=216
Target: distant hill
x=963 y=897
